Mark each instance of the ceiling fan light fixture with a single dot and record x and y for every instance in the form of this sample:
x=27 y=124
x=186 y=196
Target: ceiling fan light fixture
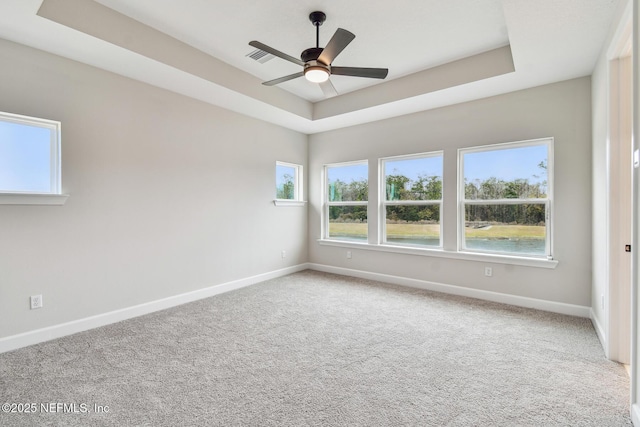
x=316 y=74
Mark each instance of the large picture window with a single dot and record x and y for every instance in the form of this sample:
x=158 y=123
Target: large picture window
x=346 y=200
x=412 y=200
x=505 y=198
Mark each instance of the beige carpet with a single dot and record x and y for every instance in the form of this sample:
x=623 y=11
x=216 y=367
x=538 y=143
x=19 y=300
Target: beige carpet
x=320 y=349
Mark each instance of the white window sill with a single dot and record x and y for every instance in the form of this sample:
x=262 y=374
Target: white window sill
x=289 y=202
x=33 y=199
x=468 y=256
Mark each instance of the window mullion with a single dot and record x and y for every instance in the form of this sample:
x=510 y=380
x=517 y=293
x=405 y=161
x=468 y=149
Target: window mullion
x=411 y=202
x=358 y=203
x=505 y=201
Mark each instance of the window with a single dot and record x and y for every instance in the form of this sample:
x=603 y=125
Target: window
x=346 y=196
x=29 y=155
x=505 y=204
x=288 y=184
x=29 y=160
x=505 y=198
x=412 y=200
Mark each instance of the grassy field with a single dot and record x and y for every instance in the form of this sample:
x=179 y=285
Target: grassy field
x=398 y=231
x=408 y=231
x=507 y=232
x=348 y=229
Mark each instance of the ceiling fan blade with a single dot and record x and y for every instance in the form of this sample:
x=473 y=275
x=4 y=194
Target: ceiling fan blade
x=328 y=89
x=372 y=73
x=341 y=39
x=283 y=79
x=275 y=52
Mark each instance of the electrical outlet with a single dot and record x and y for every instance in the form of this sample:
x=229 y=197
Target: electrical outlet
x=36 y=302
x=348 y=254
x=284 y=254
x=488 y=271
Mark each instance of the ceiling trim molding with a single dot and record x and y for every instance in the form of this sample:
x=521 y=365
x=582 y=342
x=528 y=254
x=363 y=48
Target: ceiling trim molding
x=94 y=19
x=474 y=68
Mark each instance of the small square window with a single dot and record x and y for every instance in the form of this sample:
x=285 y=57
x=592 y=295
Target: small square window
x=30 y=171
x=288 y=184
x=29 y=155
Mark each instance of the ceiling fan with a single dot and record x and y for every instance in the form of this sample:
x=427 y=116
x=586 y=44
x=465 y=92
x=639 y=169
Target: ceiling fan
x=316 y=61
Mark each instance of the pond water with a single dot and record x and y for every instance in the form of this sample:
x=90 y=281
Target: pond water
x=519 y=246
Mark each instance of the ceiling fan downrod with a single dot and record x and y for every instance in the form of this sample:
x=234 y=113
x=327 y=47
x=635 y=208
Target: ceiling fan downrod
x=317 y=18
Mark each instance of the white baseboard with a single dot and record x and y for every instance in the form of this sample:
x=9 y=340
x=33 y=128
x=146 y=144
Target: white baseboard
x=599 y=331
x=545 y=305
x=56 y=331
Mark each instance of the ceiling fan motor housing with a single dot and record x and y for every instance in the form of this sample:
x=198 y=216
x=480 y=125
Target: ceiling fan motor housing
x=311 y=54
x=310 y=59
x=316 y=65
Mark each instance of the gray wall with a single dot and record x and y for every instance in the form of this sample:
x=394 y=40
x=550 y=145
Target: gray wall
x=561 y=110
x=168 y=195
x=171 y=195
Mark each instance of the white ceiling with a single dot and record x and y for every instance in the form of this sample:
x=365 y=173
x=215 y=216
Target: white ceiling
x=550 y=40
x=385 y=37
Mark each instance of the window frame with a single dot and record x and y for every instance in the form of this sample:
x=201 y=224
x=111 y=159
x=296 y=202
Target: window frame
x=383 y=202
x=298 y=186
x=54 y=196
x=327 y=204
x=547 y=202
